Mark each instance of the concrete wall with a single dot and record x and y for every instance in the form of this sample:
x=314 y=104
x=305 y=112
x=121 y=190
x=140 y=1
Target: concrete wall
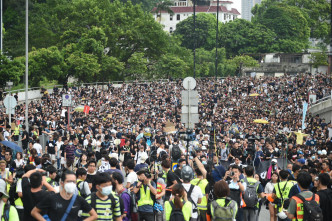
x=324 y=109
x=33 y=94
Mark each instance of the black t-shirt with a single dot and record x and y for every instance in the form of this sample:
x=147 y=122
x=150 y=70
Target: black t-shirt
x=169 y=182
x=236 y=152
x=25 y=141
x=31 y=199
x=91 y=179
x=56 y=207
x=50 y=147
x=325 y=203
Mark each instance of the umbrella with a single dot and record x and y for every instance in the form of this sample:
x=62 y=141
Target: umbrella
x=140 y=136
x=261 y=121
x=12 y=145
x=79 y=108
x=254 y=95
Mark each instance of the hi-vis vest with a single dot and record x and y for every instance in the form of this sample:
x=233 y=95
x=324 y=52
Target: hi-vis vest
x=17 y=131
x=145 y=197
x=202 y=185
x=299 y=207
x=284 y=190
x=18 y=201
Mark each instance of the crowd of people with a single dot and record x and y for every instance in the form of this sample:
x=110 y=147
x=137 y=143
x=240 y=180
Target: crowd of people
x=127 y=156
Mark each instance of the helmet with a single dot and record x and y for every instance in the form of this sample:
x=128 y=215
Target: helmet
x=187 y=174
x=282 y=215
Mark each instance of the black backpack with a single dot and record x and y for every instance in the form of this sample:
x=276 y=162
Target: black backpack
x=311 y=209
x=5 y=214
x=133 y=205
x=176 y=152
x=176 y=214
x=190 y=199
x=81 y=189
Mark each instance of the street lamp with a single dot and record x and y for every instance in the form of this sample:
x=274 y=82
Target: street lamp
x=1 y=26
x=26 y=63
x=194 y=31
x=9 y=85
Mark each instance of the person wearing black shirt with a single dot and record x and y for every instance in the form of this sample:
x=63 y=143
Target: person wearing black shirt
x=126 y=151
x=50 y=149
x=9 y=160
x=325 y=195
x=235 y=152
x=25 y=138
x=170 y=177
x=56 y=205
x=32 y=183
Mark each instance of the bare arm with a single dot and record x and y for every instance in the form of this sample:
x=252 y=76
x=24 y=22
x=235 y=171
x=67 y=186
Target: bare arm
x=93 y=216
x=36 y=214
x=200 y=167
x=152 y=189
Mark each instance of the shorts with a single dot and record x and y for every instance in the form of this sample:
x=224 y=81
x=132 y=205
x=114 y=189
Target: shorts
x=52 y=156
x=63 y=161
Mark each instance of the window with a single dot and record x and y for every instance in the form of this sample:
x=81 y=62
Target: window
x=178 y=17
x=225 y=17
x=171 y=17
x=170 y=30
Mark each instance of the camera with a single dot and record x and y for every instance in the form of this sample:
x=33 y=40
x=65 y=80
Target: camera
x=231 y=174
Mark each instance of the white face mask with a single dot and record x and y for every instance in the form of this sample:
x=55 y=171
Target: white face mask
x=70 y=188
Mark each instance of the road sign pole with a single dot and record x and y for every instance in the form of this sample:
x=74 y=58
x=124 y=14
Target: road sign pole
x=10 y=110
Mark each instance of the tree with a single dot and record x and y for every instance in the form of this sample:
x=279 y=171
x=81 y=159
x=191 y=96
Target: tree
x=319 y=59
x=171 y=65
x=136 y=66
x=10 y=70
x=242 y=36
x=242 y=61
x=288 y=22
x=164 y=6
x=205 y=34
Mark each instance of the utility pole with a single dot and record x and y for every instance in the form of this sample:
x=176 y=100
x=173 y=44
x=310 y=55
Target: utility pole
x=26 y=63
x=194 y=31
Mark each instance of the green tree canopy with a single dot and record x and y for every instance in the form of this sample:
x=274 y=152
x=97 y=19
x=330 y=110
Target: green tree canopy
x=205 y=35
x=242 y=36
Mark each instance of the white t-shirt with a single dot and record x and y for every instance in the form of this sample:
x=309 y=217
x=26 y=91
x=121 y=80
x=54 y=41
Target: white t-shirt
x=139 y=155
x=38 y=147
x=132 y=177
x=195 y=195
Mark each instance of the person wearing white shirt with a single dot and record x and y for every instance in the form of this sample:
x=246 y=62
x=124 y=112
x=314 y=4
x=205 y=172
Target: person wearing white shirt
x=196 y=194
x=132 y=176
x=38 y=148
x=139 y=154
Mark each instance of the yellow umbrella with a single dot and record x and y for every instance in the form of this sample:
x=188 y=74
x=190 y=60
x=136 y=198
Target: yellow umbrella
x=254 y=95
x=261 y=121
x=79 y=108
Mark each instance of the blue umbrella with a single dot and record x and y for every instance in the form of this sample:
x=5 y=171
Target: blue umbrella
x=12 y=145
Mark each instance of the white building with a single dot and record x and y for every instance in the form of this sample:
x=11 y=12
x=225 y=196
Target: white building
x=184 y=9
x=246 y=7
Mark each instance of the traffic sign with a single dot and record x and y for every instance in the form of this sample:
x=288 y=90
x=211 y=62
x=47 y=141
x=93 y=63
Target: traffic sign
x=66 y=100
x=192 y=95
x=193 y=109
x=189 y=83
x=10 y=102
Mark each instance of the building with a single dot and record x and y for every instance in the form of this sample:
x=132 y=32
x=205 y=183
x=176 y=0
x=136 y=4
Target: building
x=246 y=7
x=184 y=9
x=277 y=64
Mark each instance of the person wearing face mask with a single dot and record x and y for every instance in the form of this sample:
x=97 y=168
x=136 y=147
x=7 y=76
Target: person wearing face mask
x=66 y=204
x=104 y=201
x=69 y=154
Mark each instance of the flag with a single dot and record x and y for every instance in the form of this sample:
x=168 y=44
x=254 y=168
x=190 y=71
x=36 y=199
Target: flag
x=305 y=108
x=86 y=109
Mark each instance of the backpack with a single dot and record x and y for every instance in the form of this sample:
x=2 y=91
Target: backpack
x=176 y=214
x=81 y=189
x=133 y=205
x=311 y=209
x=5 y=214
x=223 y=213
x=190 y=199
x=250 y=195
x=176 y=152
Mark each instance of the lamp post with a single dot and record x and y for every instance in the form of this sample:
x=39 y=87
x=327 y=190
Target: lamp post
x=1 y=26
x=26 y=63
x=194 y=31
x=10 y=85
x=216 y=62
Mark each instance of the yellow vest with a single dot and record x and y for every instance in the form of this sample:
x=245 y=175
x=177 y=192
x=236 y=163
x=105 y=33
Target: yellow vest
x=202 y=185
x=17 y=131
x=284 y=192
x=18 y=202
x=145 y=198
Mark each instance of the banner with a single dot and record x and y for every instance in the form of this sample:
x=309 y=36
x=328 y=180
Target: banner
x=261 y=170
x=86 y=109
x=305 y=108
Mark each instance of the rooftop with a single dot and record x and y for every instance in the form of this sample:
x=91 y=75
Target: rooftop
x=207 y=9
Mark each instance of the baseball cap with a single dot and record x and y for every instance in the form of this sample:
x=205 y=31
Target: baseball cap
x=274 y=160
x=324 y=152
x=302 y=161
